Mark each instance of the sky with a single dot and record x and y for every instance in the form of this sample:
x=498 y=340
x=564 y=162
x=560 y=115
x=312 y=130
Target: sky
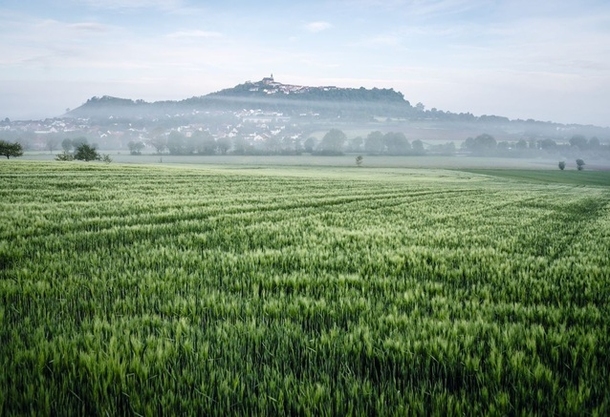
x=522 y=59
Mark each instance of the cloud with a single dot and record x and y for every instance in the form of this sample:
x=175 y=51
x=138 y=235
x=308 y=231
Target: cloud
x=319 y=26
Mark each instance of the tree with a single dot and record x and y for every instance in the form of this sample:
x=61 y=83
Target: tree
x=580 y=164
x=10 y=149
x=482 y=144
x=273 y=145
x=85 y=152
x=355 y=144
x=579 y=141
x=594 y=143
x=135 y=147
x=203 y=142
x=547 y=144
x=396 y=143
x=66 y=144
x=223 y=145
x=309 y=144
x=562 y=165
x=64 y=156
x=81 y=140
x=418 y=147
x=240 y=145
x=159 y=143
x=158 y=139
x=52 y=143
x=359 y=160
x=208 y=145
x=332 y=142
x=176 y=144
x=374 y=143
x=521 y=144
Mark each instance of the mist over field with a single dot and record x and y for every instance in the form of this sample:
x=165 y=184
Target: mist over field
x=270 y=118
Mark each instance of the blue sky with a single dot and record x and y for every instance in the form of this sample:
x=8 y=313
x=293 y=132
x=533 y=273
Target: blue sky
x=546 y=60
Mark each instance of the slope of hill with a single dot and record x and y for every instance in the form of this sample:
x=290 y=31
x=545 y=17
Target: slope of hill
x=267 y=94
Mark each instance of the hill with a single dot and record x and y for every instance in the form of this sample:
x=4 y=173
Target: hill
x=267 y=94
x=329 y=106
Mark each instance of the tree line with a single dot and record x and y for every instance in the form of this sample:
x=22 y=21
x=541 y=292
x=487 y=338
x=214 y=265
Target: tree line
x=79 y=149
x=486 y=145
x=334 y=142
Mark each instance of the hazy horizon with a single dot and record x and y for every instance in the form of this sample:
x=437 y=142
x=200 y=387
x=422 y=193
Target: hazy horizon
x=544 y=61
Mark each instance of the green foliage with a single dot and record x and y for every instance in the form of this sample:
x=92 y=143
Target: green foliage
x=309 y=144
x=81 y=140
x=66 y=145
x=580 y=164
x=359 y=160
x=562 y=165
x=579 y=141
x=10 y=149
x=204 y=143
x=177 y=291
x=85 y=152
x=396 y=143
x=177 y=144
x=483 y=144
x=223 y=145
x=374 y=144
x=135 y=147
x=64 y=156
x=547 y=144
x=332 y=143
x=418 y=147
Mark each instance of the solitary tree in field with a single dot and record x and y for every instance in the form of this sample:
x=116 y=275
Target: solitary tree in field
x=10 y=149
x=580 y=164
x=562 y=165
x=359 y=159
x=85 y=152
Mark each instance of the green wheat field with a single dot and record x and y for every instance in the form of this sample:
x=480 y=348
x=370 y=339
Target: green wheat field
x=130 y=290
